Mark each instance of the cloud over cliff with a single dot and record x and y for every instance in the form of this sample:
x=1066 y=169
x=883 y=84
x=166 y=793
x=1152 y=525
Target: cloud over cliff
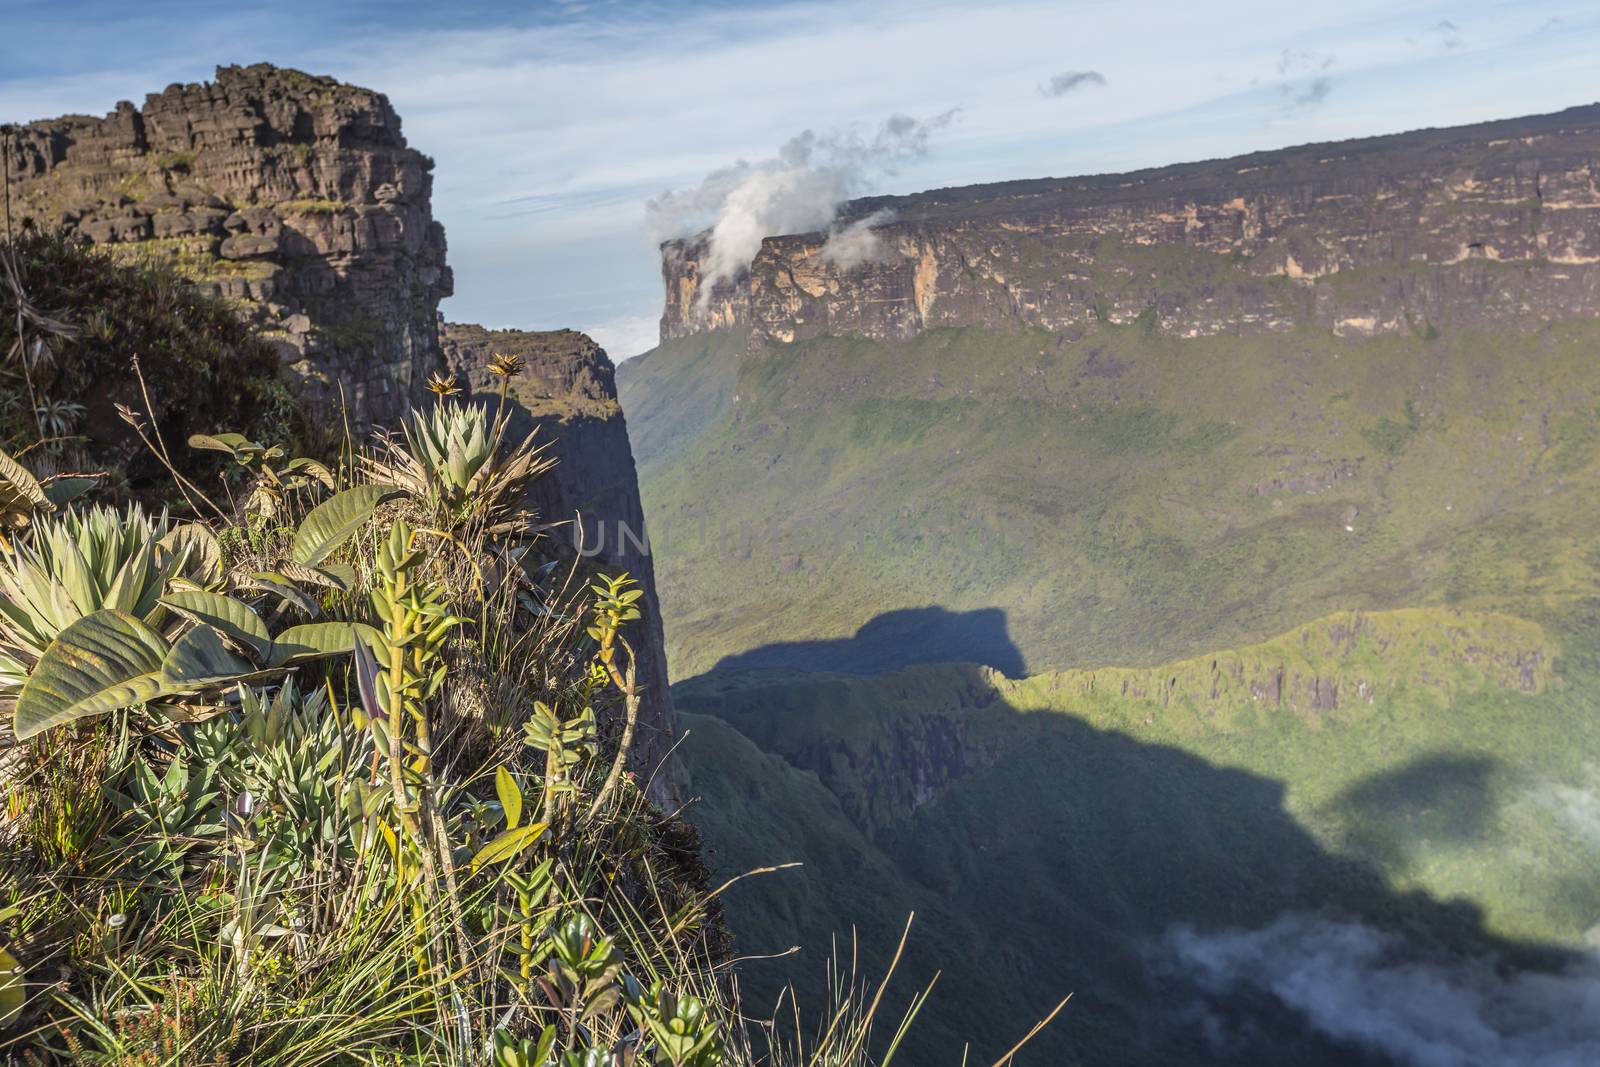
x=857 y=243
x=796 y=191
x=1357 y=984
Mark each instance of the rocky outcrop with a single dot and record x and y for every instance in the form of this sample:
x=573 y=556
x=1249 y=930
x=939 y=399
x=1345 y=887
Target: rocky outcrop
x=1470 y=225
x=295 y=196
x=566 y=394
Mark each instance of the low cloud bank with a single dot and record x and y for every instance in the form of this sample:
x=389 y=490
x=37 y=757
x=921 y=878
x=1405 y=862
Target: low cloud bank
x=799 y=190
x=858 y=243
x=1360 y=985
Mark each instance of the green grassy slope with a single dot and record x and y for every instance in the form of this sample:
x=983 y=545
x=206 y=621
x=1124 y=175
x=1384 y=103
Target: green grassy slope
x=672 y=393
x=1051 y=830
x=1177 y=509
x=1126 y=497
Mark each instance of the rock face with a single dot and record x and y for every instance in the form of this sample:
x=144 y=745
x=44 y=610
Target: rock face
x=566 y=393
x=295 y=196
x=1465 y=226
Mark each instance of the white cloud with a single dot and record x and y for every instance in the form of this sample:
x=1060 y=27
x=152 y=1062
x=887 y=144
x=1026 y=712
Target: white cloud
x=798 y=190
x=1360 y=985
x=858 y=243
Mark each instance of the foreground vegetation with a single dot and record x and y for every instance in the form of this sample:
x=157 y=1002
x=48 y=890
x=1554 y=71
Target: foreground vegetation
x=335 y=768
x=322 y=779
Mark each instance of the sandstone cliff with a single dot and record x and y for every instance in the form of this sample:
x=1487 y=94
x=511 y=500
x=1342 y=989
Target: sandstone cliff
x=566 y=394
x=298 y=199
x=295 y=196
x=1465 y=226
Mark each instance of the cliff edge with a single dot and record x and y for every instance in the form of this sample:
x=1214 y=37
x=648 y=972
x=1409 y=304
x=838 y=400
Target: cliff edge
x=1470 y=226
x=566 y=394
x=294 y=196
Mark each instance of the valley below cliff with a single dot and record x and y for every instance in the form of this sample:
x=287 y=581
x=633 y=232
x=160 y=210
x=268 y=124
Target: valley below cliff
x=1150 y=577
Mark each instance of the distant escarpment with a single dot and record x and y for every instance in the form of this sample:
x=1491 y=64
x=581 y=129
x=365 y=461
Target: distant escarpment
x=294 y=196
x=1469 y=226
x=566 y=394
x=889 y=745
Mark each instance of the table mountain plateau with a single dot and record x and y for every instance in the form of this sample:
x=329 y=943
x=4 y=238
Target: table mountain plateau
x=1122 y=571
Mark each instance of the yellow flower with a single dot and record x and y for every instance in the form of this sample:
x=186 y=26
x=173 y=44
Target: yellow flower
x=505 y=364
x=443 y=386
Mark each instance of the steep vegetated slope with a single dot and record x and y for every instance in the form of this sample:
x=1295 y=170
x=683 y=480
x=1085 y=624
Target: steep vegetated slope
x=682 y=391
x=1121 y=498
x=1423 y=771
x=1130 y=410
x=1091 y=435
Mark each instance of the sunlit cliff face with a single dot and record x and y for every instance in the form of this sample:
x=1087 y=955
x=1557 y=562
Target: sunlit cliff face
x=1363 y=252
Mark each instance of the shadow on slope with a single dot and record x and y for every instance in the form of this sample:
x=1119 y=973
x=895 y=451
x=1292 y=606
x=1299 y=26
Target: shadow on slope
x=897 y=639
x=1441 y=798
x=1045 y=854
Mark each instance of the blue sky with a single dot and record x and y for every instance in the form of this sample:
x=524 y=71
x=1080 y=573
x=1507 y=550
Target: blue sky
x=553 y=123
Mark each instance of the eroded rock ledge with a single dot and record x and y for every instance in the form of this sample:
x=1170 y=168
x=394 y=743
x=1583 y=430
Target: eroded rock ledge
x=1465 y=226
x=295 y=196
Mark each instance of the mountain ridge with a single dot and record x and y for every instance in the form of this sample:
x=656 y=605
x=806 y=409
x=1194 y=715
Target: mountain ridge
x=1375 y=236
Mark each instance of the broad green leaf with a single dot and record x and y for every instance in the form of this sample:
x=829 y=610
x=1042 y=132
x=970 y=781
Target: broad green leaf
x=341 y=575
x=232 y=617
x=103 y=661
x=199 y=659
x=13 y=993
x=234 y=444
x=312 y=469
x=510 y=844
x=505 y=788
x=547 y=1041
x=308 y=575
x=63 y=488
x=319 y=639
x=199 y=547
x=334 y=520
x=280 y=585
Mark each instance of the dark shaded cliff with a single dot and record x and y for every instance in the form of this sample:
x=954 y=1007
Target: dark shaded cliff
x=566 y=394
x=294 y=196
x=1468 y=226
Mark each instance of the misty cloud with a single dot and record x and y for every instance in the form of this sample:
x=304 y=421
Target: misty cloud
x=1443 y=34
x=1577 y=807
x=797 y=191
x=1071 y=81
x=1360 y=985
x=858 y=243
x=1306 y=83
x=1313 y=92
